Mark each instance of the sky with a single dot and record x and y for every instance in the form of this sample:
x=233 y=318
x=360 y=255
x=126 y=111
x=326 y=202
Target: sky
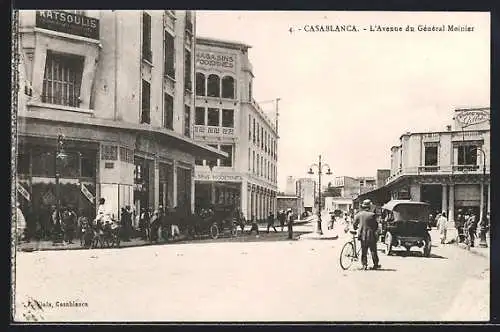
x=350 y=95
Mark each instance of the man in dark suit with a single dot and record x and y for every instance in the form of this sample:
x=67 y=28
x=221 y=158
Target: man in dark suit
x=367 y=222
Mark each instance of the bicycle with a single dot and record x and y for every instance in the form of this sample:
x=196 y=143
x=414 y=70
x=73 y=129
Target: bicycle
x=350 y=252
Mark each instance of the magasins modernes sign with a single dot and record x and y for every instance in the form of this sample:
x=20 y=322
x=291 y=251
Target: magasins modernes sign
x=74 y=24
x=212 y=59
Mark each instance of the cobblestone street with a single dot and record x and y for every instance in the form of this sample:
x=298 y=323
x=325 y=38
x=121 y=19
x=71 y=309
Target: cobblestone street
x=251 y=281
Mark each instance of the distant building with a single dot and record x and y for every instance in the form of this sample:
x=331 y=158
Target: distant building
x=306 y=190
x=382 y=176
x=293 y=202
x=290 y=186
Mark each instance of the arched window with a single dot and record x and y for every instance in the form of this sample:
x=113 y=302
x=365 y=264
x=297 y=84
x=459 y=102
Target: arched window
x=213 y=86
x=200 y=84
x=228 y=87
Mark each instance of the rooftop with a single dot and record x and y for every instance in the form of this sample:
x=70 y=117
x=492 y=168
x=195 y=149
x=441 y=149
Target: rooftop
x=222 y=43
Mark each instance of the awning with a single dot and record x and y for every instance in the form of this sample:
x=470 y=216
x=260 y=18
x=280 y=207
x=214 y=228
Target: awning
x=169 y=137
x=378 y=196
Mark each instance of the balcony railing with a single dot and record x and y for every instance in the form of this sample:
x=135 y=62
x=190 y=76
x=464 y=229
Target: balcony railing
x=431 y=137
x=467 y=135
x=200 y=130
x=439 y=170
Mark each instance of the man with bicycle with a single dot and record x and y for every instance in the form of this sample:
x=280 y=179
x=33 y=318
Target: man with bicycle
x=368 y=225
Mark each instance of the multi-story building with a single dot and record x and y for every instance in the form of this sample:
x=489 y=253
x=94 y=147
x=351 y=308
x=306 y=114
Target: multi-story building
x=227 y=117
x=306 y=190
x=351 y=187
x=450 y=169
x=290 y=187
x=105 y=109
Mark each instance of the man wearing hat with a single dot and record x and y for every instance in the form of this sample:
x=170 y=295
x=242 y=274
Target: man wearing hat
x=367 y=222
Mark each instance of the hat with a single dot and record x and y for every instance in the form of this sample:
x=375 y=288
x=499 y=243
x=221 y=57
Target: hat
x=366 y=204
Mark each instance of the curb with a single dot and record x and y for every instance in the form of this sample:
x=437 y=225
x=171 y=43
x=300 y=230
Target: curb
x=62 y=248
x=318 y=237
x=473 y=251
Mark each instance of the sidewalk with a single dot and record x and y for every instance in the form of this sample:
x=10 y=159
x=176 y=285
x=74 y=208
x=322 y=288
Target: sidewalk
x=476 y=250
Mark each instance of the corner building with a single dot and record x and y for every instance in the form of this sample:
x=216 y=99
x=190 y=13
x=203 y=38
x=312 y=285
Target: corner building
x=117 y=85
x=449 y=169
x=228 y=118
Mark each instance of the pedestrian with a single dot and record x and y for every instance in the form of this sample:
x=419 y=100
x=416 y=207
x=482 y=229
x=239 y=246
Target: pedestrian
x=175 y=223
x=290 y=219
x=255 y=226
x=69 y=224
x=332 y=221
x=459 y=225
x=282 y=219
x=368 y=227
x=270 y=222
x=144 y=223
x=20 y=223
x=126 y=223
x=56 y=224
x=471 y=228
x=442 y=226
x=154 y=224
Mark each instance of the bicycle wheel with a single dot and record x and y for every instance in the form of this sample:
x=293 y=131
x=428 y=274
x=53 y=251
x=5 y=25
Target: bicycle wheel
x=347 y=256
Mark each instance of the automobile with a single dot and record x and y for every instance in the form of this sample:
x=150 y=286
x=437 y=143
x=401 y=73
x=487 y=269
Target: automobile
x=406 y=225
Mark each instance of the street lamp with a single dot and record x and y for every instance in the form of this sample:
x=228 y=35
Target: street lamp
x=60 y=155
x=320 y=168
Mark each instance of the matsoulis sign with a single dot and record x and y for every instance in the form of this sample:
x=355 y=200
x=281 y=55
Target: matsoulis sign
x=74 y=24
x=472 y=117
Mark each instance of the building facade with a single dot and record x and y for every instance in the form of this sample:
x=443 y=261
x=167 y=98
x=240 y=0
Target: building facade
x=285 y=202
x=306 y=190
x=449 y=169
x=105 y=109
x=290 y=187
x=227 y=117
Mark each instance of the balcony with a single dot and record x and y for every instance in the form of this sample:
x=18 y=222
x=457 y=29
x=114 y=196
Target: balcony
x=428 y=169
x=438 y=170
x=212 y=131
x=430 y=137
x=467 y=136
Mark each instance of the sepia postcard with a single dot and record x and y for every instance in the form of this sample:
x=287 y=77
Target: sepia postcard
x=191 y=166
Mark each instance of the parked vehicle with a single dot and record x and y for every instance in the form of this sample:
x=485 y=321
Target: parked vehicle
x=406 y=225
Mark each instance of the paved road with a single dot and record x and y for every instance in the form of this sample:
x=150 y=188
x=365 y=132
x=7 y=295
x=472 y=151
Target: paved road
x=251 y=281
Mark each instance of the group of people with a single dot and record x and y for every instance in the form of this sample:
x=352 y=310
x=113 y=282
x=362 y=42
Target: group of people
x=466 y=224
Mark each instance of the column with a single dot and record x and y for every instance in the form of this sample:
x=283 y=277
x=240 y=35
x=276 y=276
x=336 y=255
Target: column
x=212 y=192
x=452 y=231
x=243 y=197
x=481 y=205
x=444 y=202
x=451 y=205
x=174 y=194
x=192 y=190
x=156 y=183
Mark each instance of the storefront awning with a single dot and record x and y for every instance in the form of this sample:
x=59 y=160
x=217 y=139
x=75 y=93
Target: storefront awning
x=378 y=196
x=162 y=135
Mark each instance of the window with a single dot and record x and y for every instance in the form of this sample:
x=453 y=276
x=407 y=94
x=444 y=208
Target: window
x=250 y=90
x=213 y=86
x=253 y=162
x=262 y=138
x=217 y=148
x=249 y=127
x=213 y=117
x=62 y=79
x=253 y=131
x=23 y=163
x=168 y=112
x=169 y=55
x=249 y=156
x=146 y=95
x=187 y=121
x=227 y=118
x=88 y=165
x=146 y=37
x=431 y=155
x=198 y=162
x=43 y=163
x=200 y=116
x=258 y=165
x=258 y=134
x=109 y=152
x=467 y=155
x=261 y=165
x=228 y=87
x=187 y=71
x=228 y=162
x=200 y=84
x=69 y=168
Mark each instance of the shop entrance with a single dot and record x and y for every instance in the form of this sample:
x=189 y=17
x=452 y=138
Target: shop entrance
x=432 y=194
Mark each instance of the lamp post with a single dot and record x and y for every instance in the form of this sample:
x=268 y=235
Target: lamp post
x=320 y=166
x=60 y=155
x=482 y=229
